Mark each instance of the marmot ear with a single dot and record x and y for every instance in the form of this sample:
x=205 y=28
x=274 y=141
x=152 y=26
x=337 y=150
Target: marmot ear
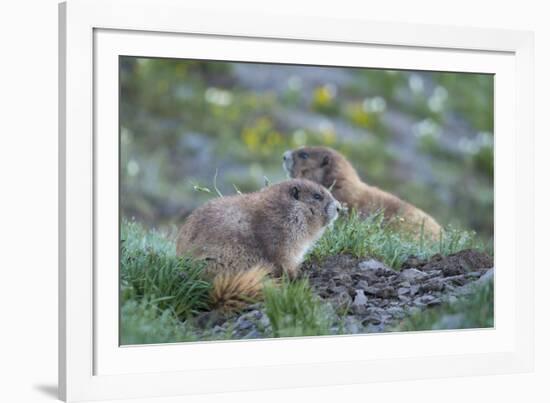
x=325 y=161
x=295 y=192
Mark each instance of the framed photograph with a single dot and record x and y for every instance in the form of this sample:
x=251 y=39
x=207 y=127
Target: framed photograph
x=246 y=207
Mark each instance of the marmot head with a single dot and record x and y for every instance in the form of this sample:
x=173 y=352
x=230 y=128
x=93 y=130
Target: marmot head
x=310 y=200
x=322 y=165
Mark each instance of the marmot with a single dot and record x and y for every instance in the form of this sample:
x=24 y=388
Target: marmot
x=245 y=237
x=329 y=168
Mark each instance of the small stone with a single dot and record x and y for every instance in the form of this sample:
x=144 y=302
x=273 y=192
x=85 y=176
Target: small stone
x=374 y=320
x=433 y=285
x=427 y=300
x=456 y=280
x=360 y=298
x=371 y=265
x=403 y=290
x=243 y=323
x=412 y=275
x=434 y=302
x=362 y=284
x=404 y=299
x=488 y=276
x=379 y=268
x=382 y=292
x=359 y=310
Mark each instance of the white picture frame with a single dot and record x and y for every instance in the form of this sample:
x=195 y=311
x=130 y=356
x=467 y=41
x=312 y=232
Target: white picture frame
x=93 y=33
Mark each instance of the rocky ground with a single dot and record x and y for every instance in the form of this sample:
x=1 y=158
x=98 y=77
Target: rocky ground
x=366 y=296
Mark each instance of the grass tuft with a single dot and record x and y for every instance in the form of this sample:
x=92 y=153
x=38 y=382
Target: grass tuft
x=150 y=269
x=293 y=310
x=374 y=237
x=143 y=322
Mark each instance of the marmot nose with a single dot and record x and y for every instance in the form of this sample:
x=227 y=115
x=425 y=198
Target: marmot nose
x=338 y=207
x=287 y=155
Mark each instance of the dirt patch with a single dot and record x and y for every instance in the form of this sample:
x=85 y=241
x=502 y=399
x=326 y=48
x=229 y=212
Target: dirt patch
x=367 y=296
x=373 y=296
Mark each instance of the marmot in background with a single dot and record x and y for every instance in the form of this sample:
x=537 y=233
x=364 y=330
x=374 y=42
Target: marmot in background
x=245 y=237
x=331 y=169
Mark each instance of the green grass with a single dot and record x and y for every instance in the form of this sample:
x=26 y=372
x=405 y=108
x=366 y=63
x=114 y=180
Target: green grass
x=474 y=311
x=294 y=310
x=149 y=268
x=143 y=322
x=157 y=287
x=161 y=293
x=372 y=237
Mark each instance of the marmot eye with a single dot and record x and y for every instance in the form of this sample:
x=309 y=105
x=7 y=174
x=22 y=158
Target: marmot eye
x=317 y=196
x=303 y=155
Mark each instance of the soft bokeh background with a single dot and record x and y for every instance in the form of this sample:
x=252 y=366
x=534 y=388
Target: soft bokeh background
x=425 y=136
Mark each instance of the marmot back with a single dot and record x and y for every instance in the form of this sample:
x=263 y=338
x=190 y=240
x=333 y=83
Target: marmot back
x=331 y=169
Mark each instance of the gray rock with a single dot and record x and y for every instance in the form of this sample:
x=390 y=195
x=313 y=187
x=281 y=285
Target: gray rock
x=371 y=264
x=435 y=284
x=359 y=310
x=362 y=284
x=426 y=300
x=412 y=275
x=243 y=323
x=264 y=321
x=403 y=290
x=487 y=276
x=382 y=292
x=360 y=298
x=404 y=299
x=374 y=266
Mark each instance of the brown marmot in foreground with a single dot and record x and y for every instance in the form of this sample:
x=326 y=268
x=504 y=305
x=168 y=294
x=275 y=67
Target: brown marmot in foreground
x=245 y=237
x=329 y=168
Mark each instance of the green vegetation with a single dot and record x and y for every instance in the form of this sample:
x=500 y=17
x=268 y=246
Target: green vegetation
x=158 y=290
x=143 y=322
x=294 y=310
x=161 y=293
x=372 y=237
x=473 y=312
x=425 y=136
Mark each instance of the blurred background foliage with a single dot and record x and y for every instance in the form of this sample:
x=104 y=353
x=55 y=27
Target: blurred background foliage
x=425 y=136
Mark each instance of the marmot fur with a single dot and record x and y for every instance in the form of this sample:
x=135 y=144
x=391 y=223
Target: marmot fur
x=245 y=237
x=329 y=168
